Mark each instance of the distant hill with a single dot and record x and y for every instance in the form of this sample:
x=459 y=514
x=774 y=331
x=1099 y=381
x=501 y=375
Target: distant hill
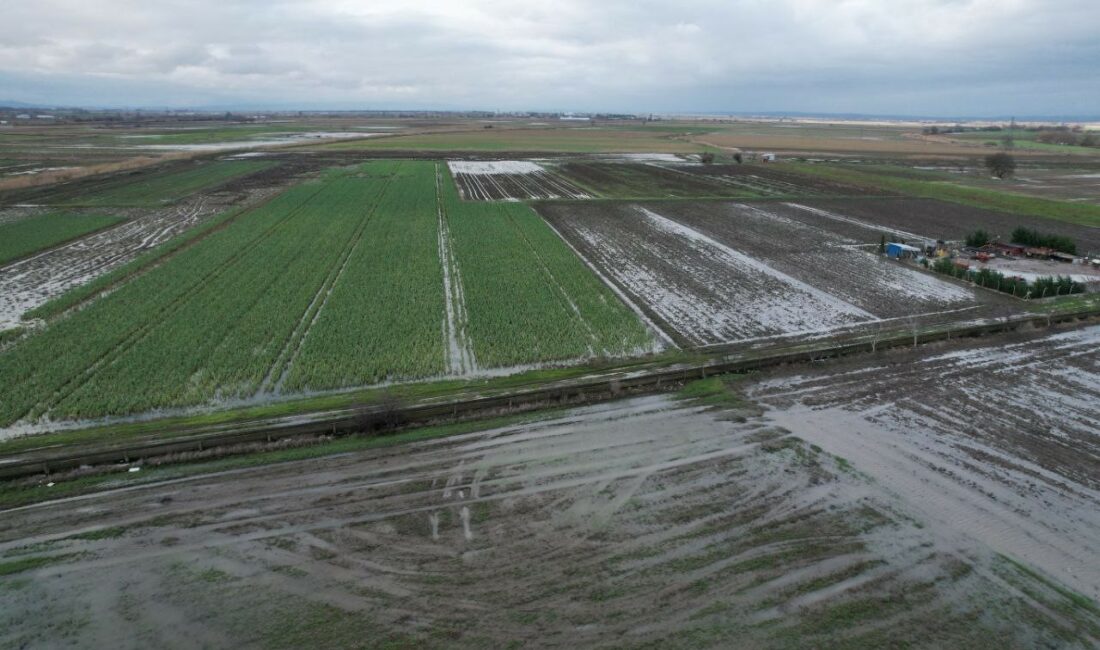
x=14 y=104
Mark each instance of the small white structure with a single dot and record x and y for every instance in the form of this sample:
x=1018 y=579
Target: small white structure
x=767 y=157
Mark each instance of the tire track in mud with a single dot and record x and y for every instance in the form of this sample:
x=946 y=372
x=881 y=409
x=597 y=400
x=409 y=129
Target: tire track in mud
x=1000 y=451
x=630 y=522
x=145 y=327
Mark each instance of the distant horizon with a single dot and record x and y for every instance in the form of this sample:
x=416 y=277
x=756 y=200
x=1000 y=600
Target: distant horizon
x=778 y=114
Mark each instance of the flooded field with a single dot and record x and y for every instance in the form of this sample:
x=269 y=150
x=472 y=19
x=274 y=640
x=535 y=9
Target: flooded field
x=944 y=498
x=30 y=282
x=996 y=445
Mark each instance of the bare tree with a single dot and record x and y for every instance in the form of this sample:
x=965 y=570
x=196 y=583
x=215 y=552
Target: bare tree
x=1000 y=164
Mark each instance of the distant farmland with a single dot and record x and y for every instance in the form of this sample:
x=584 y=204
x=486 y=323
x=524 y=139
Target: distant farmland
x=570 y=140
x=146 y=188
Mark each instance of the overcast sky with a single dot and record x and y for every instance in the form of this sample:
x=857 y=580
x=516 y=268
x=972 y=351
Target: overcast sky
x=903 y=57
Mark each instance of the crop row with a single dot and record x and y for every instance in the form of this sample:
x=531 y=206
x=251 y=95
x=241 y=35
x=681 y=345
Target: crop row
x=156 y=341
x=383 y=318
x=528 y=297
x=333 y=283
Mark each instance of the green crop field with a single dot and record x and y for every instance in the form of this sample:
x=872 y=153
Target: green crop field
x=159 y=187
x=334 y=283
x=384 y=316
x=27 y=236
x=550 y=296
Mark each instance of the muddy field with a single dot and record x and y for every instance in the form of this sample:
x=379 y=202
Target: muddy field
x=623 y=176
x=996 y=444
x=711 y=273
x=649 y=522
x=932 y=219
x=648 y=179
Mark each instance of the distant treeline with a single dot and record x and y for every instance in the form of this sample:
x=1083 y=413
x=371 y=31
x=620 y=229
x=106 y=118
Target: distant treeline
x=1075 y=135
x=1027 y=237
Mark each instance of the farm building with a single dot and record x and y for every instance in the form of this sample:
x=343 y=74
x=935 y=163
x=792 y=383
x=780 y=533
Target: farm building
x=1001 y=248
x=901 y=251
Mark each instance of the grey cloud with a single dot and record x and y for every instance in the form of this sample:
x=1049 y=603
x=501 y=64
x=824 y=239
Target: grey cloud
x=917 y=56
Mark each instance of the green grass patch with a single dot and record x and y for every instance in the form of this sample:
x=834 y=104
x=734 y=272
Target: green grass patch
x=716 y=391
x=11 y=334
x=134 y=267
x=114 y=532
x=30 y=563
x=27 y=236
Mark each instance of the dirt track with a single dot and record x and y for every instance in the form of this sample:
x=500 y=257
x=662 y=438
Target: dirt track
x=642 y=522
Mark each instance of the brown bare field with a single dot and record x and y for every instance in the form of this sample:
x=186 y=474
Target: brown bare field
x=102 y=169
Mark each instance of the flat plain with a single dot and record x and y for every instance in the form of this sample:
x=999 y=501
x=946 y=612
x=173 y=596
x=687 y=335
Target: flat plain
x=436 y=386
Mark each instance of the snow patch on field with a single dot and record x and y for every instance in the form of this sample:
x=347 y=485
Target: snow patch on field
x=483 y=167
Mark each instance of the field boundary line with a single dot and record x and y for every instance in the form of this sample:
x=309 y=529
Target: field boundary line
x=619 y=292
